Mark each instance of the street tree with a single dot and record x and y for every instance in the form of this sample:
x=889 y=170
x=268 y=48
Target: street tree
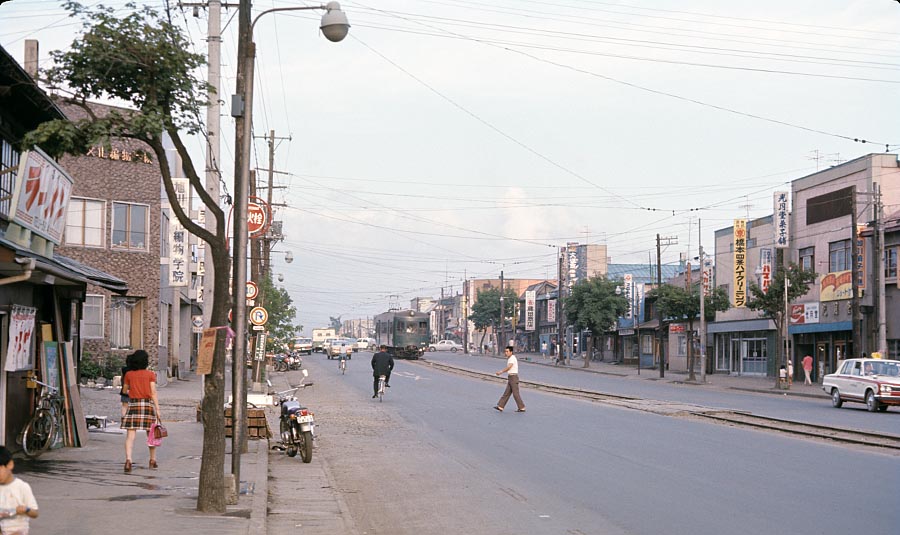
x=593 y=304
x=679 y=304
x=137 y=57
x=281 y=314
x=486 y=310
x=771 y=304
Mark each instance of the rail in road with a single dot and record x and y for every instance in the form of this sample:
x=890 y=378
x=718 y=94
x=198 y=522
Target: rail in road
x=881 y=442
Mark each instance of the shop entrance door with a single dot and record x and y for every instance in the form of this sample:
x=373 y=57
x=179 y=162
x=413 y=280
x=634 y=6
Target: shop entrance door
x=738 y=354
x=821 y=357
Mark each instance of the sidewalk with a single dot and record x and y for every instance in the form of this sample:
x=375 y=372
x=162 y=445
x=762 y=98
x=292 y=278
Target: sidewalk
x=746 y=383
x=85 y=490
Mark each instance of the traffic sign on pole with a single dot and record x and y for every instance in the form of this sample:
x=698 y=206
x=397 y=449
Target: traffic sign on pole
x=252 y=290
x=259 y=316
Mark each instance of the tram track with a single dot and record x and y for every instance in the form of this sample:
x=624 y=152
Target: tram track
x=884 y=443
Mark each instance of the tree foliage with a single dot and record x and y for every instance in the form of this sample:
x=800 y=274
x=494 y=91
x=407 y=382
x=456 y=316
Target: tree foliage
x=594 y=305
x=144 y=61
x=281 y=315
x=486 y=310
x=680 y=304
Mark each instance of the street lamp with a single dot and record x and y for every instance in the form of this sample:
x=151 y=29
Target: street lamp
x=334 y=27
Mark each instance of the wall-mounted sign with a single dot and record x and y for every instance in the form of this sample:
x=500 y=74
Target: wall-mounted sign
x=178 y=236
x=804 y=313
x=257 y=218
x=765 y=266
x=740 y=263
x=41 y=195
x=782 y=220
x=835 y=286
x=530 y=297
x=551 y=310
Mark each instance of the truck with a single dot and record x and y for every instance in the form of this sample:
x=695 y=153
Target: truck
x=320 y=335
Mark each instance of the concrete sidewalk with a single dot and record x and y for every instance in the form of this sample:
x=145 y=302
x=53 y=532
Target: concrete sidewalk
x=746 y=383
x=85 y=490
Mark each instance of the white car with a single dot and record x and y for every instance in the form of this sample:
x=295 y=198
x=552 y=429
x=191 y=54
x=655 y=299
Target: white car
x=445 y=345
x=875 y=382
x=363 y=344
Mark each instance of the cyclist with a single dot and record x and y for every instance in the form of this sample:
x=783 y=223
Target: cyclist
x=382 y=364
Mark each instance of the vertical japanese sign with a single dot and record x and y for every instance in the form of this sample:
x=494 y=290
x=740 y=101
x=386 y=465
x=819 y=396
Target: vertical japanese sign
x=41 y=195
x=765 y=266
x=178 y=240
x=551 y=310
x=740 y=263
x=21 y=332
x=628 y=282
x=707 y=276
x=530 y=298
x=860 y=259
x=638 y=300
x=572 y=265
x=782 y=220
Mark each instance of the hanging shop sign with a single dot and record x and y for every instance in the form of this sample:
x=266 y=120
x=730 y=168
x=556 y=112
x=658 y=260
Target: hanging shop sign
x=21 y=338
x=551 y=310
x=530 y=298
x=765 y=266
x=628 y=283
x=257 y=217
x=178 y=236
x=739 y=295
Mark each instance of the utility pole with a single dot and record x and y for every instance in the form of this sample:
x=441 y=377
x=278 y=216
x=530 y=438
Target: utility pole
x=465 y=312
x=854 y=270
x=879 y=273
x=662 y=352
x=502 y=313
x=702 y=304
x=441 y=324
x=559 y=308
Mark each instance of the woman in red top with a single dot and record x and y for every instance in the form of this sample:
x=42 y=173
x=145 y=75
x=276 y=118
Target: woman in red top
x=143 y=405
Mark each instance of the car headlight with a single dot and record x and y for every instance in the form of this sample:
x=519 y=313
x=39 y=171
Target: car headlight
x=885 y=389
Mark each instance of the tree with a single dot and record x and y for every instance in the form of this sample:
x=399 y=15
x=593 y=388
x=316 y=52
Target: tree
x=771 y=304
x=679 y=304
x=335 y=324
x=594 y=305
x=145 y=61
x=281 y=314
x=486 y=310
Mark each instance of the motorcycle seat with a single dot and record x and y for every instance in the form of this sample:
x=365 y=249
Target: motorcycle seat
x=291 y=406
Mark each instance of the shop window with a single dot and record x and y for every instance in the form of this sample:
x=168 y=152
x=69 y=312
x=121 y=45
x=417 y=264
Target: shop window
x=894 y=349
x=9 y=159
x=808 y=258
x=129 y=228
x=125 y=322
x=85 y=222
x=682 y=345
x=647 y=344
x=92 y=310
x=839 y=254
x=890 y=262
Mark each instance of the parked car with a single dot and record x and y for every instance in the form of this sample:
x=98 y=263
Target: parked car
x=364 y=344
x=445 y=345
x=875 y=382
x=303 y=345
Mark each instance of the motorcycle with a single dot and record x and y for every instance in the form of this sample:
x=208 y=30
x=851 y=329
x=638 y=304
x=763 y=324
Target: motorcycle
x=297 y=423
x=284 y=363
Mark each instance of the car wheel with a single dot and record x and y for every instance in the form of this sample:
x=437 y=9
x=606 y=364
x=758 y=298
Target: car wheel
x=453 y=350
x=432 y=348
x=836 y=401
x=872 y=404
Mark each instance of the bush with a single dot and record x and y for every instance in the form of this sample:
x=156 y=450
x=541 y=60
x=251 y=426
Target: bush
x=104 y=365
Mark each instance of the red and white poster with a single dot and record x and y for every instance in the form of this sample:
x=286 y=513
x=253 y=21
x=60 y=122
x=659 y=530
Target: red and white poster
x=41 y=195
x=21 y=338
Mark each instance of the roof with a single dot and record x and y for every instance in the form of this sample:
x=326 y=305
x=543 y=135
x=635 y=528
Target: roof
x=20 y=96
x=642 y=273
x=69 y=269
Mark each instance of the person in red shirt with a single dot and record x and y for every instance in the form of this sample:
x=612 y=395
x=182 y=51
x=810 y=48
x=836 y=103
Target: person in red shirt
x=807 y=369
x=143 y=405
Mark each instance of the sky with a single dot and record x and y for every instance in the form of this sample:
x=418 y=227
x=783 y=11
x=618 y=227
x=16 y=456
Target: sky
x=451 y=139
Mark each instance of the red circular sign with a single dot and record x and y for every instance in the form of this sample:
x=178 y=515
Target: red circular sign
x=257 y=218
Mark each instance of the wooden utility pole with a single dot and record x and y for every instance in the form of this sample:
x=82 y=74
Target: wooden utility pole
x=502 y=314
x=854 y=271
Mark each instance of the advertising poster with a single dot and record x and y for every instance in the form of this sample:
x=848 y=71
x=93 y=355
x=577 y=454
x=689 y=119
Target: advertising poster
x=21 y=334
x=739 y=295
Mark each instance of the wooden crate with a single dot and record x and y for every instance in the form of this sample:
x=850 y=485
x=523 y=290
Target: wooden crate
x=257 y=425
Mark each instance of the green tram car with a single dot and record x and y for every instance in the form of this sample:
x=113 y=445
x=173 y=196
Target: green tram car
x=406 y=333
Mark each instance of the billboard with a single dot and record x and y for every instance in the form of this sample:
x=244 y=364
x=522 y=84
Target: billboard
x=739 y=295
x=804 y=313
x=836 y=285
x=41 y=195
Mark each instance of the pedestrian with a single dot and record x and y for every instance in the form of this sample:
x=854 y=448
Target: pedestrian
x=143 y=405
x=382 y=364
x=512 y=382
x=544 y=349
x=790 y=369
x=123 y=397
x=17 y=503
x=807 y=369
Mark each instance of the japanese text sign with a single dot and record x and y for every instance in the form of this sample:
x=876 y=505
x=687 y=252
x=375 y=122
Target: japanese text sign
x=740 y=263
x=41 y=195
x=782 y=220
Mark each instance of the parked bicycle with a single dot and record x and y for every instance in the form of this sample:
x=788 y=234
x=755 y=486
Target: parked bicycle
x=381 y=382
x=45 y=426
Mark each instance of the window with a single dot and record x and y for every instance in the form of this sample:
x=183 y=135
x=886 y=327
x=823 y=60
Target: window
x=164 y=235
x=682 y=345
x=647 y=344
x=839 y=256
x=129 y=228
x=125 y=321
x=894 y=349
x=92 y=312
x=9 y=157
x=808 y=258
x=890 y=263
x=85 y=222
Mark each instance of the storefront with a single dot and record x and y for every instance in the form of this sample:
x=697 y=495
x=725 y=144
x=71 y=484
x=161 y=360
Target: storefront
x=826 y=343
x=744 y=347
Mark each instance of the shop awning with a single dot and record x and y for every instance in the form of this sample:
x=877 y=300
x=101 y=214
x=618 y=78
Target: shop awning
x=763 y=324
x=820 y=327
x=59 y=267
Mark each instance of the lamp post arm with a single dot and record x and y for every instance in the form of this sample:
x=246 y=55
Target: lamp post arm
x=274 y=9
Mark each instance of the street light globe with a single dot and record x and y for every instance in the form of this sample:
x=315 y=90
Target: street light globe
x=334 y=23
x=289 y=257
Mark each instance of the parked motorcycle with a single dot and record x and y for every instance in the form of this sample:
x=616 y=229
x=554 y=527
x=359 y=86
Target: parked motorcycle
x=283 y=363
x=297 y=423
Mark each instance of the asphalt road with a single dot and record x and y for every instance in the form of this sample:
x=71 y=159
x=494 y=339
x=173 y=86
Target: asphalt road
x=434 y=457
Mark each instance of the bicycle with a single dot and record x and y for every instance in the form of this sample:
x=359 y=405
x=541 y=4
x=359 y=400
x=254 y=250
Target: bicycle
x=343 y=365
x=381 y=381
x=45 y=426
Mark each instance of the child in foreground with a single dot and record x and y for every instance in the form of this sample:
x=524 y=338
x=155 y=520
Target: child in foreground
x=17 y=503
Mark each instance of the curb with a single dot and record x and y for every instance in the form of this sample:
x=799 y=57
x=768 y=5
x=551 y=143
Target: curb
x=260 y=503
